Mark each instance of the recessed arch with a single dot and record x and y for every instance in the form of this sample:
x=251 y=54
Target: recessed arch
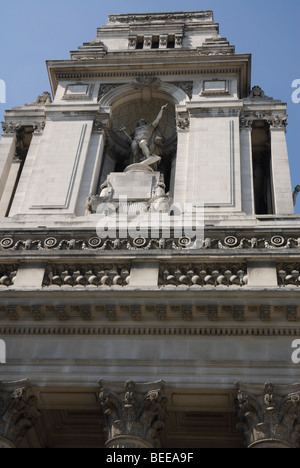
x=127 y=104
x=125 y=92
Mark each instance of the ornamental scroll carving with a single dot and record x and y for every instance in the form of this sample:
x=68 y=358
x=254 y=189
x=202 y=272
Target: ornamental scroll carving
x=275 y=242
x=134 y=410
x=269 y=415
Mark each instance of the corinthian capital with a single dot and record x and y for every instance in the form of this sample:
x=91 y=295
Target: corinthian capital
x=269 y=415
x=18 y=412
x=134 y=413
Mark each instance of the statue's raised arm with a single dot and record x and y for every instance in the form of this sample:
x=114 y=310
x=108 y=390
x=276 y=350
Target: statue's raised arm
x=158 y=118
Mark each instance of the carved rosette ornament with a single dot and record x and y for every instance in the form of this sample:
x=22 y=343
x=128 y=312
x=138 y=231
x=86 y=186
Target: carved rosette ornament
x=18 y=412
x=269 y=415
x=134 y=413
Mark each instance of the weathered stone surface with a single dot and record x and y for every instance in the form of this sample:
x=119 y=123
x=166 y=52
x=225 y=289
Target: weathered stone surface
x=134 y=414
x=269 y=415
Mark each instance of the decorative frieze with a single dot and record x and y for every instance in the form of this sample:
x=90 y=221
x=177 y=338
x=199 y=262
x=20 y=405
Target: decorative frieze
x=276 y=242
x=150 y=313
x=18 y=412
x=269 y=415
x=134 y=413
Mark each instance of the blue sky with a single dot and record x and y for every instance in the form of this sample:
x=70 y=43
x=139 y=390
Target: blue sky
x=34 y=31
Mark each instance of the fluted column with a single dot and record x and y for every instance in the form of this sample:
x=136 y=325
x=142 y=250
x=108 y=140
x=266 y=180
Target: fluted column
x=134 y=413
x=18 y=412
x=269 y=415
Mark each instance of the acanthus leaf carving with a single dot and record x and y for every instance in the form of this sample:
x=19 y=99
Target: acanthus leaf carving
x=269 y=414
x=134 y=410
x=18 y=410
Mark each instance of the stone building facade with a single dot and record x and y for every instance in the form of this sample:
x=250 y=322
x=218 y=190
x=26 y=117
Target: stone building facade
x=149 y=250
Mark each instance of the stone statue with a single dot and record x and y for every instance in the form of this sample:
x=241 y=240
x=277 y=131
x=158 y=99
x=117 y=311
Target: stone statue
x=141 y=141
x=295 y=194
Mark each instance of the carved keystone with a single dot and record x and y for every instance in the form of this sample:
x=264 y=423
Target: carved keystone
x=269 y=415
x=134 y=413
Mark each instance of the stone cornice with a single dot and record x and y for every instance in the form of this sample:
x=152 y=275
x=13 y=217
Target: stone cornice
x=179 y=62
x=202 y=15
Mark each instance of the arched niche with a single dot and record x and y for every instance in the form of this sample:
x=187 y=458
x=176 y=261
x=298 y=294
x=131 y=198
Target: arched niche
x=127 y=105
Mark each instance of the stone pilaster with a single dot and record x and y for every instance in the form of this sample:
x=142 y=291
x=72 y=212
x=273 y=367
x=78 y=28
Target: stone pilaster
x=134 y=413
x=18 y=412
x=269 y=415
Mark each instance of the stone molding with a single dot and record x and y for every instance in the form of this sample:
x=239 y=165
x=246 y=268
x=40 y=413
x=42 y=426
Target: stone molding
x=18 y=411
x=153 y=17
x=148 y=331
x=269 y=415
x=134 y=413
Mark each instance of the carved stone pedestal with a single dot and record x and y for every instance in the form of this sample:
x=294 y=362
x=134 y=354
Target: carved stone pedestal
x=134 y=413
x=269 y=415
